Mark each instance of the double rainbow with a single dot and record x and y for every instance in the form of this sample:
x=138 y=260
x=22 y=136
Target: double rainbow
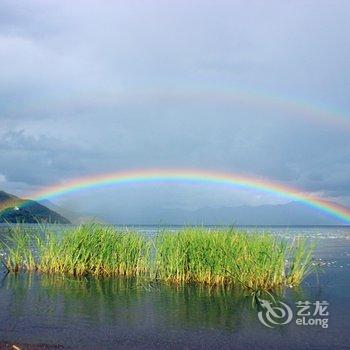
x=194 y=176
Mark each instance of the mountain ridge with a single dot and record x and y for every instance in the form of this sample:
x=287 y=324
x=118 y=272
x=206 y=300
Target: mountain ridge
x=18 y=210
x=292 y=213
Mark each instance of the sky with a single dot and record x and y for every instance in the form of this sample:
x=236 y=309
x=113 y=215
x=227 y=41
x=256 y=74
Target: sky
x=250 y=87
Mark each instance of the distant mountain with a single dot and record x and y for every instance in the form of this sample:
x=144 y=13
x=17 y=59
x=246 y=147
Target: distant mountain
x=73 y=216
x=292 y=213
x=12 y=210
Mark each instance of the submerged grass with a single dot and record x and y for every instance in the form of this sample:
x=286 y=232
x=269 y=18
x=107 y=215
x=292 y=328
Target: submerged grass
x=191 y=255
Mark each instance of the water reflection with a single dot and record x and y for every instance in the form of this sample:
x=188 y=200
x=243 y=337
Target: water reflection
x=110 y=301
x=100 y=313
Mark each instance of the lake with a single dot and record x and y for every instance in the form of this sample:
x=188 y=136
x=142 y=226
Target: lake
x=124 y=313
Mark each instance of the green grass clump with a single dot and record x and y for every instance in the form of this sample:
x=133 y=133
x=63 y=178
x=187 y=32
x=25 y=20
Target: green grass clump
x=191 y=255
x=219 y=257
x=86 y=250
x=19 y=248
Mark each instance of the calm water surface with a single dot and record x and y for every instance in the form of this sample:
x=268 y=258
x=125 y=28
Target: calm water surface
x=123 y=313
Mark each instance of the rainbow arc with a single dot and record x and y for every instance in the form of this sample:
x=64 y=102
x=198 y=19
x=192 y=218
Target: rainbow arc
x=145 y=176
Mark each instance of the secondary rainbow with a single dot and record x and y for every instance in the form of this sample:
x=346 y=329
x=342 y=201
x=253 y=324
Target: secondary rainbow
x=193 y=176
x=295 y=108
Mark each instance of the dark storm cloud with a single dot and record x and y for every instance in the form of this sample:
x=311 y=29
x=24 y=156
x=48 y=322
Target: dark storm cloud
x=92 y=87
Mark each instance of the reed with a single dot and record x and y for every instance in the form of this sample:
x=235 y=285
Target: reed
x=219 y=257
x=96 y=250
x=192 y=255
x=86 y=250
x=19 y=249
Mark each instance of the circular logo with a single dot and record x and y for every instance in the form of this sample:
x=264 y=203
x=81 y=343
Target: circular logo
x=272 y=315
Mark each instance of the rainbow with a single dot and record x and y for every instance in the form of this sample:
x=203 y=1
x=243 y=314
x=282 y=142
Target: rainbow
x=193 y=176
x=297 y=108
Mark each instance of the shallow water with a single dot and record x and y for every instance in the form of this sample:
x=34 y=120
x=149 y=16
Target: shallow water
x=129 y=313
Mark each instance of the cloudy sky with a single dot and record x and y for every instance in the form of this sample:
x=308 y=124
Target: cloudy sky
x=251 y=87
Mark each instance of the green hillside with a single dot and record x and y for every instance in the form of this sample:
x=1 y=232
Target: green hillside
x=12 y=210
